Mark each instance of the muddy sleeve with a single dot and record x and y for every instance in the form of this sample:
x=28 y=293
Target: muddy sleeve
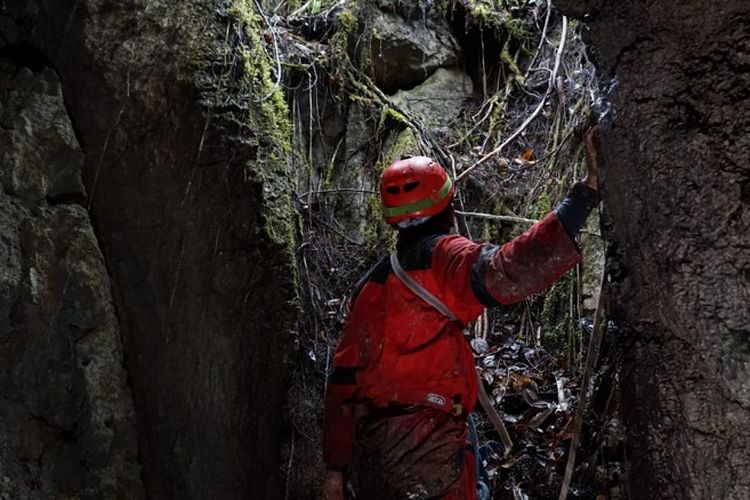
x=526 y=265
x=452 y=263
x=338 y=430
x=338 y=427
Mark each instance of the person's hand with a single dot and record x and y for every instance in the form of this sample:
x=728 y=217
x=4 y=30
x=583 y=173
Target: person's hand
x=591 y=146
x=333 y=487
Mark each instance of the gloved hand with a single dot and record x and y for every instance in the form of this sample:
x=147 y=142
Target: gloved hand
x=591 y=147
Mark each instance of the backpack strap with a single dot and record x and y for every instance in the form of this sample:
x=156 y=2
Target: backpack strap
x=483 y=398
x=419 y=290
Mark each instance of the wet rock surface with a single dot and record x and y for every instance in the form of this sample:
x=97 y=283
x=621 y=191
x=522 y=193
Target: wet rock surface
x=67 y=424
x=676 y=177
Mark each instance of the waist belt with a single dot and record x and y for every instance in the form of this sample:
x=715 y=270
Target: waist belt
x=484 y=400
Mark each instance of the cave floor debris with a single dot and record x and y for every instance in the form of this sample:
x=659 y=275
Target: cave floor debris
x=537 y=395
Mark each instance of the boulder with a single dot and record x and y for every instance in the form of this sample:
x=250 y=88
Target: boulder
x=405 y=52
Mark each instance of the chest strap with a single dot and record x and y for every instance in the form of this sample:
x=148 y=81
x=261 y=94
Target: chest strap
x=482 y=396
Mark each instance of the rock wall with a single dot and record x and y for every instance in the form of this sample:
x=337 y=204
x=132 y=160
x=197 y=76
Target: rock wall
x=676 y=175
x=67 y=424
x=185 y=168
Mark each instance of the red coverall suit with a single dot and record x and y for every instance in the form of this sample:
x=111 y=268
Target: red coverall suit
x=398 y=352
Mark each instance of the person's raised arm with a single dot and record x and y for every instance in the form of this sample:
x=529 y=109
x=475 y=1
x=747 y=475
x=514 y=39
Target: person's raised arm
x=534 y=260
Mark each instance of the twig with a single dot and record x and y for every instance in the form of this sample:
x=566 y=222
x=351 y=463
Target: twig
x=331 y=228
x=550 y=86
x=591 y=358
x=277 y=57
x=507 y=218
x=541 y=41
x=460 y=198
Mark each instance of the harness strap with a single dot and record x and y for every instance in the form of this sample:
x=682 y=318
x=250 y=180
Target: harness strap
x=483 y=398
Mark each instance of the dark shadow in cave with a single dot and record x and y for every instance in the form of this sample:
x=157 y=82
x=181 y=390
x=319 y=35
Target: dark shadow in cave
x=25 y=55
x=480 y=48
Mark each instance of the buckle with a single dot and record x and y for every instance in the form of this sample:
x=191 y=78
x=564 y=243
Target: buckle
x=458 y=409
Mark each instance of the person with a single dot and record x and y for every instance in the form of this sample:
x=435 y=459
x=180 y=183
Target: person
x=404 y=379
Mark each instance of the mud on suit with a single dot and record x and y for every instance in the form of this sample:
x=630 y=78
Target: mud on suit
x=402 y=369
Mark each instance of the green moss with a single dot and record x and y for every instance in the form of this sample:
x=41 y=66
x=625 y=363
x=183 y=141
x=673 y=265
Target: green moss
x=346 y=26
x=516 y=28
x=379 y=237
x=542 y=204
x=347 y=19
x=498 y=123
x=267 y=119
x=440 y=7
x=405 y=143
x=492 y=230
x=484 y=14
x=388 y=113
x=511 y=63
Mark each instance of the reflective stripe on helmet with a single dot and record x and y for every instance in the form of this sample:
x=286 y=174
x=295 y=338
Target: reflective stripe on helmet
x=421 y=204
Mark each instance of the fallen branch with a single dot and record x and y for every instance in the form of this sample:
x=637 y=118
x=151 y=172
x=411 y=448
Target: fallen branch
x=530 y=118
x=591 y=358
x=494 y=416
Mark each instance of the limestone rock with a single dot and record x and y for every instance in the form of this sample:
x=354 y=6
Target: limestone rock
x=67 y=423
x=356 y=175
x=439 y=100
x=404 y=53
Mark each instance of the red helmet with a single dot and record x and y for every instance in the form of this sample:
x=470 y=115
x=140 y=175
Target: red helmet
x=414 y=187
